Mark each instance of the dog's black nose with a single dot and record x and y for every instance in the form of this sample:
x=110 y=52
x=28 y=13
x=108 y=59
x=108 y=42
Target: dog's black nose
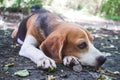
x=101 y=60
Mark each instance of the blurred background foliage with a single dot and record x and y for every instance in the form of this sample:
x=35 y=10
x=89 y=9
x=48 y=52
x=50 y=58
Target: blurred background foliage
x=25 y=5
x=20 y=3
x=106 y=8
x=111 y=9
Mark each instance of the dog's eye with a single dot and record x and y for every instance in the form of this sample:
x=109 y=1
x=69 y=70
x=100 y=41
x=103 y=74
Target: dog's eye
x=82 y=45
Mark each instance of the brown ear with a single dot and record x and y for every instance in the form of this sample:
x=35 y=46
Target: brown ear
x=88 y=34
x=53 y=45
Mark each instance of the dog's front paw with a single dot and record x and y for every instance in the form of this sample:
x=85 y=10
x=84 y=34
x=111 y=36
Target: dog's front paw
x=70 y=61
x=46 y=63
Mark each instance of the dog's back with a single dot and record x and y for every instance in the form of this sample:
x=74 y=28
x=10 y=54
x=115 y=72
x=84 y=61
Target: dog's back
x=19 y=33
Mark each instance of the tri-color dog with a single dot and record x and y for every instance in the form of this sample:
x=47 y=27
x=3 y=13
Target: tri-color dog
x=57 y=41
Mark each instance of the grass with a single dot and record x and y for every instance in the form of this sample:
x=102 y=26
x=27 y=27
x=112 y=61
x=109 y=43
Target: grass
x=117 y=18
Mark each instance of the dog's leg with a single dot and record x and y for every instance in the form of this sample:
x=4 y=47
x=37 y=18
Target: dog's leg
x=68 y=60
x=30 y=51
x=14 y=33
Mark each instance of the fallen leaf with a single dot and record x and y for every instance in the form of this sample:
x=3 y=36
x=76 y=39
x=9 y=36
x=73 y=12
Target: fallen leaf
x=9 y=65
x=90 y=29
x=101 y=71
x=51 y=77
x=116 y=72
x=6 y=67
x=111 y=72
x=104 y=77
x=22 y=73
x=51 y=70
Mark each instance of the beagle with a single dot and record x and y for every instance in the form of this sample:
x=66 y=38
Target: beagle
x=46 y=39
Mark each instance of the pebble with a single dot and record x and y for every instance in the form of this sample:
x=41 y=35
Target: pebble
x=77 y=68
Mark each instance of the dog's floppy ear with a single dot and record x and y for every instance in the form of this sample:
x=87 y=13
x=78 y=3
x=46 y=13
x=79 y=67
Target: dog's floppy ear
x=89 y=35
x=53 y=45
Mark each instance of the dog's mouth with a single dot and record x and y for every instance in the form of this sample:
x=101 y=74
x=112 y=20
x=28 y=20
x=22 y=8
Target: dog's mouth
x=91 y=68
x=88 y=67
x=96 y=66
x=80 y=67
x=96 y=62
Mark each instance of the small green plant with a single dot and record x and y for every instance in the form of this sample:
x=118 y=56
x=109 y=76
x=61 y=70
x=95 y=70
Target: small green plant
x=111 y=9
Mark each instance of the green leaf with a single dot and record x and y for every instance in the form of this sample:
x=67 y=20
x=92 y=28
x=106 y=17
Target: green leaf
x=9 y=65
x=22 y=73
x=104 y=77
x=6 y=67
x=51 y=70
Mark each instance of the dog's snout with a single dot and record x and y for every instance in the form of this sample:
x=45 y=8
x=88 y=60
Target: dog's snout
x=101 y=60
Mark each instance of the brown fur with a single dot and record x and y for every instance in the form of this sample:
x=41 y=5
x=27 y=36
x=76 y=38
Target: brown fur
x=63 y=39
x=66 y=37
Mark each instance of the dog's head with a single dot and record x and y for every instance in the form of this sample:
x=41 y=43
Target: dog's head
x=69 y=39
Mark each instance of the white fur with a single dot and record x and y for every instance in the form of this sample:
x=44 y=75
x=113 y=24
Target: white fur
x=19 y=41
x=60 y=52
x=90 y=57
x=67 y=60
x=87 y=58
x=30 y=51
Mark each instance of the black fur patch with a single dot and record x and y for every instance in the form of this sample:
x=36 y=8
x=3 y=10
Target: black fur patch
x=22 y=29
x=40 y=11
x=42 y=21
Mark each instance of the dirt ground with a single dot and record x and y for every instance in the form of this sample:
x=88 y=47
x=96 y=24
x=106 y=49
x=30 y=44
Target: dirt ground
x=107 y=41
